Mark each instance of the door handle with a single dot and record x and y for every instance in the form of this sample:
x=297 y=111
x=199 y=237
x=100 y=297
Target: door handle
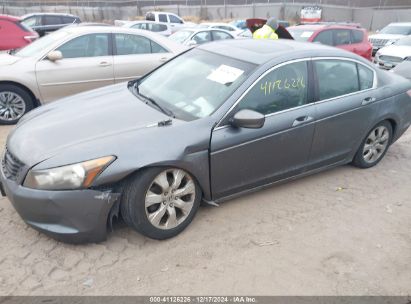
x=302 y=120
x=163 y=59
x=368 y=100
x=104 y=64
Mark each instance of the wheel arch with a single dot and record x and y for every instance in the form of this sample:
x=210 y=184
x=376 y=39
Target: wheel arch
x=36 y=101
x=202 y=185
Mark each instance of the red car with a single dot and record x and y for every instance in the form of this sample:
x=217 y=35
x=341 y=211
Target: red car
x=348 y=37
x=13 y=34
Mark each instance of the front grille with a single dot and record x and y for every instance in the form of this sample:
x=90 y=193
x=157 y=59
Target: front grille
x=11 y=166
x=378 y=43
x=390 y=58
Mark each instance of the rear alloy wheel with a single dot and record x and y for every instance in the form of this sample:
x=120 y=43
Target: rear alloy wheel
x=160 y=202
x=374 y=147
x=14 y=103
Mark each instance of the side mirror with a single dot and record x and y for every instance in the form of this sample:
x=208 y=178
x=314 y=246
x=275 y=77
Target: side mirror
x=248 y=119
x=192 y=43
x=54 y=56
x=377 y=31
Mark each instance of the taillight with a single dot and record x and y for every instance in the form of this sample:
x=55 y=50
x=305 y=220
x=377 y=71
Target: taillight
x=409 y=93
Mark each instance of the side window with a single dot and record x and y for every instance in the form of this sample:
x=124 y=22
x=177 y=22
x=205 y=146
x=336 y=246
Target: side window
x=202 y=37
x=218 y=35
x=366 y=76
x=174 y=19
x=156 y=48
x=150 y=17
x=68 y=20
x=336 y=77
x=325 y=37
x=92 y=45
x=162 y=18
x=342 y=37
x=32 y=21
x=357 y=36
x=226 y=28
x=140 y=26
x=132 y=44
x=52 y=20
x=283 y=88
x=155 y=27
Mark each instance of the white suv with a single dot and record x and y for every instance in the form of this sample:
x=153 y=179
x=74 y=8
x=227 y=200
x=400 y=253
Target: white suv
x=389 y=34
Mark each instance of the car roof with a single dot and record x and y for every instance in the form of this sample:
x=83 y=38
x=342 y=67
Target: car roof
x=263 y=51
x=400 y=23
x=124 y=30
x=48 y=14
x=9 y=18
x=317 y=27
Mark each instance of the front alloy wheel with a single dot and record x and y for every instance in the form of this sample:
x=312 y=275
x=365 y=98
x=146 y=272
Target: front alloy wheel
x=160 y=202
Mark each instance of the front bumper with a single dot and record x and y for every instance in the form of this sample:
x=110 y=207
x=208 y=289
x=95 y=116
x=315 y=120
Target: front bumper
x=73 y=216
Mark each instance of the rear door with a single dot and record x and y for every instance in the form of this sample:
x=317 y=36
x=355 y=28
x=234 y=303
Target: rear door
x=345 y=108
x=87 y=64
x=136 y=55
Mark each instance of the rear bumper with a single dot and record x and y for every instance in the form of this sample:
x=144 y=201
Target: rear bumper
x=77 y=216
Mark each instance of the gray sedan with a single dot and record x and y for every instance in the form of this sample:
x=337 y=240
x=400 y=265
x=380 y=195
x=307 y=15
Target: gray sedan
x=234 y=117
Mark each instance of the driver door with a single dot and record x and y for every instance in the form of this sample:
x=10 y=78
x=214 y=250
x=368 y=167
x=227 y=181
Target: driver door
x=87 y=64
x=243 y=158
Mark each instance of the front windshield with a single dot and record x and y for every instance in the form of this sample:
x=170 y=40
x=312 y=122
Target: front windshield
x=196 y=83
x=41 y=44
x=300 y=35
x=396 y=30
x=180 y=36
x=404 y=41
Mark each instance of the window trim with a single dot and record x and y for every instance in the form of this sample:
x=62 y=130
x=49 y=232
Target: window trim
x=109 y=45
x=374 y=84
x=219 y=124
x=310 y=60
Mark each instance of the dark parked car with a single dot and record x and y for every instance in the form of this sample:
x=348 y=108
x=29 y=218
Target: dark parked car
x=44 y=23
x=231 y=120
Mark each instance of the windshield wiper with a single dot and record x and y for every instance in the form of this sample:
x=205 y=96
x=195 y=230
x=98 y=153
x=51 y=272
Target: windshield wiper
x=166 y=111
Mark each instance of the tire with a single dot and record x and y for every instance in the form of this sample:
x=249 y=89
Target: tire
x=374 y=146
x=14 y=103
x=150 y=201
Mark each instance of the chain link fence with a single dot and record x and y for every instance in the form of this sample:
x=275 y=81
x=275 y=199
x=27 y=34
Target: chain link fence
x=143 y=3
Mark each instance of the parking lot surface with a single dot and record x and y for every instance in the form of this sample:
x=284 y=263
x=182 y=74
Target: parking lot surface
x=345 y=231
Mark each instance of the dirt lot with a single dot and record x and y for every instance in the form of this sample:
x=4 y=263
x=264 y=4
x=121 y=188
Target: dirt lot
x=342 y=232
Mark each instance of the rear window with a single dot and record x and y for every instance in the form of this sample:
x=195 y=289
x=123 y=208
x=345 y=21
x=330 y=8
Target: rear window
x=358 y=36
x=22 y=26
x=150 y=17
x=67 y=20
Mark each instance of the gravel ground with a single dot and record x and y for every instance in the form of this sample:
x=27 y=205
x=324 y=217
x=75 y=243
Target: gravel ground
x=342 y=232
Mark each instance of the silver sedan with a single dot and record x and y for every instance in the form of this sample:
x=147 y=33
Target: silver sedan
x=76 y=59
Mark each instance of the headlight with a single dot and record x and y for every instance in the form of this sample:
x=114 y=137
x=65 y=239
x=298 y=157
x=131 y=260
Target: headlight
x=75 y=176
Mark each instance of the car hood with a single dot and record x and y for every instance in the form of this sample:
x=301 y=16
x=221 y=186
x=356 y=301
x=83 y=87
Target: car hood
x=386 y=36
x=403 y=69
x=402 y=51
x=79 y=119
x=6 y=59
